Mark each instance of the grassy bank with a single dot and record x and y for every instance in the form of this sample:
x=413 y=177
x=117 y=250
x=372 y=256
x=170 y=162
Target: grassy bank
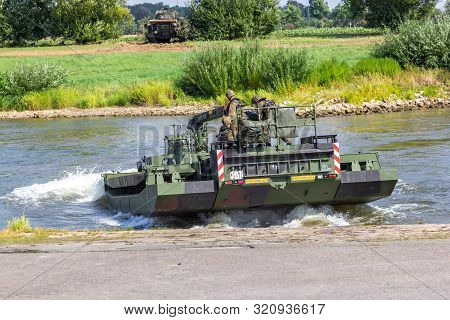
x=147 y=78
x=355 y=89
x=111 y=64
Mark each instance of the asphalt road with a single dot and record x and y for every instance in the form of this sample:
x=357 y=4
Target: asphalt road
x=414 y=269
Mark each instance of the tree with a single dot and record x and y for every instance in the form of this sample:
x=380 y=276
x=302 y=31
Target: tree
x=27 y=19
x=298 y=5
x=231 y=19
x=356 y=8
x=291 y=16
x=5 y=29
x=318 y=9
x=340 y=16
x=148 y=10
x=90 y=20
x=392 y=13
x=382 y=13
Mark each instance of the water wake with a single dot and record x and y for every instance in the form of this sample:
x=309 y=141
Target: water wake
x=300 y=216
x=126 y=220
x=81 y=186
x=306 y=216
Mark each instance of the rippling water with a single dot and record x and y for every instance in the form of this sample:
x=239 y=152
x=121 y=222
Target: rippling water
x=50 y=170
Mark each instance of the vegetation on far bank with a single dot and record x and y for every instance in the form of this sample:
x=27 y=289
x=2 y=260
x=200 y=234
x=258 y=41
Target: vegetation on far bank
x=355 y=88
x=419 y=43
x=351 y=74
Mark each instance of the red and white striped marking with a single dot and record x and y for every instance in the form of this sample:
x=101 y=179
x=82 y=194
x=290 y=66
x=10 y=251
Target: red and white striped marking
x=220 y=166
x=337 y=158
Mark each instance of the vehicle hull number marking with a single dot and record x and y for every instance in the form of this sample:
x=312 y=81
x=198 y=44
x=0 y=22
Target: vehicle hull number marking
x=237 y=175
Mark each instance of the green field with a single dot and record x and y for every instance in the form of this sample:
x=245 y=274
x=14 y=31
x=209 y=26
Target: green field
x=102 y=69
x=118 y=73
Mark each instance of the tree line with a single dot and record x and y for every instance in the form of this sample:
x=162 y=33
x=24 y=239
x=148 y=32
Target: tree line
x=82 y=21
x=364 y=13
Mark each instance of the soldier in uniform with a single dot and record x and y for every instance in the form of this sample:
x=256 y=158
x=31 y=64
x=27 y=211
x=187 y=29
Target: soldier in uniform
x=230 y=116
x=261 y=103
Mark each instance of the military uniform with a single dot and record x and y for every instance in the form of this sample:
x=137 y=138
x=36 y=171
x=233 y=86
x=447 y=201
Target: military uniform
x=230 y=116
x=261 y=103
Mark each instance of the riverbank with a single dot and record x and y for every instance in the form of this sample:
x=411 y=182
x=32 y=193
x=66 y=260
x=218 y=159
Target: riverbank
x=332 y=108
x=357 y=262
x=220 y=236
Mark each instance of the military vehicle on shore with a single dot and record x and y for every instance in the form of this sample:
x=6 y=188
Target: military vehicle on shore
x=274 y=161
x=166 y=27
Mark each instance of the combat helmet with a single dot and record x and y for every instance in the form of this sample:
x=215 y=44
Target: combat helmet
x=257 y=98
x=230 y=94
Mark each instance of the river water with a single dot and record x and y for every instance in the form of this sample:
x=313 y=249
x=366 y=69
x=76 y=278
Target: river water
x=50 y=171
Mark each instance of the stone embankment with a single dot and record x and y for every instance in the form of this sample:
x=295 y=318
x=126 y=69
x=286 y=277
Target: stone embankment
x=337 y=108
x=331 y=108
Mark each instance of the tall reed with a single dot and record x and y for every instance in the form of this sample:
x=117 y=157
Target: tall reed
x=211 y=71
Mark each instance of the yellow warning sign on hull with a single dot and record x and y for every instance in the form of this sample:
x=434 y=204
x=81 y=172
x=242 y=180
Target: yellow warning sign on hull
x=303 y=178
x=258 y=180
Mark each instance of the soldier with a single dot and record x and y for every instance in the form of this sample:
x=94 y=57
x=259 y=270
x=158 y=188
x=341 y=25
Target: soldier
x=229 y=114
x=259 y=102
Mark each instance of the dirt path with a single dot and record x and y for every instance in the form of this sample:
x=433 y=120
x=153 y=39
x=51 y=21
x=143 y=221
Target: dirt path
x=123 y=47
x=129 y=47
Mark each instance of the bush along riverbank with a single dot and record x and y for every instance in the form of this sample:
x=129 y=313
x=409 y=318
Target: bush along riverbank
x=280 y=74
x=369 y=79
x=331 y=108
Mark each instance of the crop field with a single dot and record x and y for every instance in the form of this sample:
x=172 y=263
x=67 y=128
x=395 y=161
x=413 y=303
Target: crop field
x=328 y=32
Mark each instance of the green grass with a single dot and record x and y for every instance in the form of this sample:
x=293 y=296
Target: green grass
x=129 y=68
x=330 y=71
x=211 y=71
x=21 y=224
x=385 y=66
x=147 y=78
x=111 y=69
x=100 y=70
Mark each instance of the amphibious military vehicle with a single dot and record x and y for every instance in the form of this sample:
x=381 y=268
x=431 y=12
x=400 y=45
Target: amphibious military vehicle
x=166 y=27
x=274 y=161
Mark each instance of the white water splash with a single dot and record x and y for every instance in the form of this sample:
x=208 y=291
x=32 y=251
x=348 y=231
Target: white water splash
x=406 y=187
x=126 y=220
x=302 y=216
x=81 y=186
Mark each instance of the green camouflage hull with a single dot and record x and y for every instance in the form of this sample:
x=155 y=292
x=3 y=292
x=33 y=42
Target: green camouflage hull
x=203 y=196
x=268 y=164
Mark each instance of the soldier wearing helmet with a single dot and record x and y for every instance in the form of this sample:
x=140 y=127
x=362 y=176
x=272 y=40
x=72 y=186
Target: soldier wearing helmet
x=229 y=115
x=262 y=104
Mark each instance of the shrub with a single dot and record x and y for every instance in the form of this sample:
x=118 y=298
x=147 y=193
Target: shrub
x=209 y=72
x=21 y=224
x=330 y=71
x=385 y=66
x=59 y=98
x=372 y=88
x=231 y=19
x=153 y=93
x=49 y=42
x=419 y=43
x=24 y=78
